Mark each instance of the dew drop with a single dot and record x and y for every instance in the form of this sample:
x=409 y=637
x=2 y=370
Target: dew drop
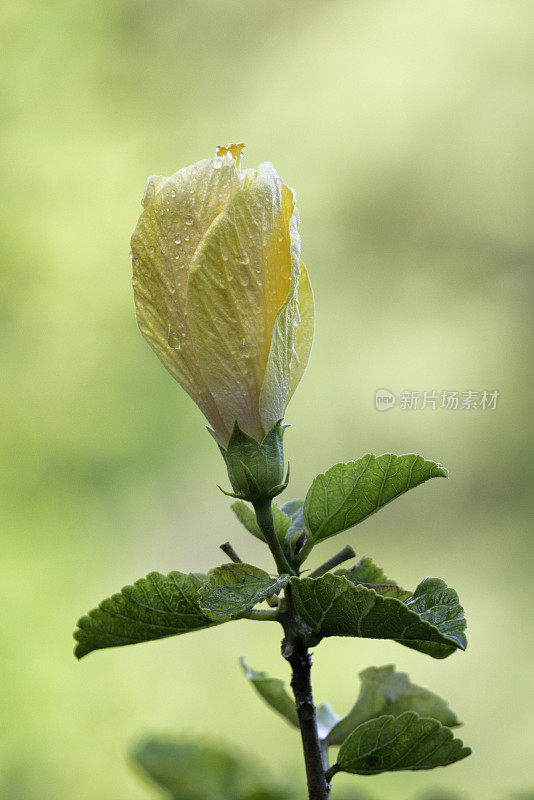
x=173 y=193
x=186 y=237
x=188 y=219
x=177 y=240
x=173 y=339
x=294 y=360
x=243 y=280
x=243 y=257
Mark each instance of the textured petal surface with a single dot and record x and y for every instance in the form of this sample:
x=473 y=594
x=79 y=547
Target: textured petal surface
x=243 y=284
x=305 y=329
x=283 y=357
x=177 y=213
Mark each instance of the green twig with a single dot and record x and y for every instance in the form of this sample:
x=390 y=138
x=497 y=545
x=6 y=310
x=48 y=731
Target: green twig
x=335 y=561
x=231 y=553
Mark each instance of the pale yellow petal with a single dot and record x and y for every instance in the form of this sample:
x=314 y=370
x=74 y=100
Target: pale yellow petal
x=292 y=333
x=239 y=279
x=304 y=333
x=177 y=212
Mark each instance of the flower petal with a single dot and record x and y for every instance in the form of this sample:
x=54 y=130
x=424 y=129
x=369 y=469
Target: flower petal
x=304 y=333
x=177 y=212
x=292 y=335
x=239 y=279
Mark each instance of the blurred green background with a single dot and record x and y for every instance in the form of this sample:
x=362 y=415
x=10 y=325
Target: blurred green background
x=406 y=128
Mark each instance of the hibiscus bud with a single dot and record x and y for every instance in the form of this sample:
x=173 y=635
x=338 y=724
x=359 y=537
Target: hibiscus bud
x=220 y=292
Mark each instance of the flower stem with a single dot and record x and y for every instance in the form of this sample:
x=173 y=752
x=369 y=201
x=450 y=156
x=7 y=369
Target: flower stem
x=296 y=652
x=264 y=518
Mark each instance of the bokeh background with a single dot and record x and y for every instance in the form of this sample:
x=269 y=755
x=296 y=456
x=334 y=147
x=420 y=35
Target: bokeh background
x=407 y=131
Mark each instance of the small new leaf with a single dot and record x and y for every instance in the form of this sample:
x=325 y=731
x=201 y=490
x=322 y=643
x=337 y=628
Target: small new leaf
x=366 y=571
x=389 y=744
x=385 y=691
x=346 y=494
x=233 y=589
x=273 y=691
x=373 y=577
x=153 y=608
x=431 y=620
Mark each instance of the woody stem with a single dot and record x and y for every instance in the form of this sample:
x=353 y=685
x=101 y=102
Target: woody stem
x=296 y=652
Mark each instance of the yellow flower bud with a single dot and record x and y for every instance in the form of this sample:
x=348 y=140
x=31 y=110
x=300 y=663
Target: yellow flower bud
x=220 y=292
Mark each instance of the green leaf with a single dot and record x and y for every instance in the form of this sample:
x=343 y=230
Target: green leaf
x=294 y=510
x=431 y=620
x=365 y=571
x=274 y=692
x=346 y=494
x=235 y=588
x=153 y=608
x=247 y=517
x=191 y=770
x=373 y=577
x=385 y=691
x=389 y=744
x=204 y=769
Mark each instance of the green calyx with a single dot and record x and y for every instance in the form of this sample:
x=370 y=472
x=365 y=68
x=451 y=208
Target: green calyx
x=256 y=469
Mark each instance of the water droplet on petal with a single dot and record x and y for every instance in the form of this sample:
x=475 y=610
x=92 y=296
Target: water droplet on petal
x=173 y=193
x=243 y=280
x=177 y=240
x=173 y=340
x=188 y=219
